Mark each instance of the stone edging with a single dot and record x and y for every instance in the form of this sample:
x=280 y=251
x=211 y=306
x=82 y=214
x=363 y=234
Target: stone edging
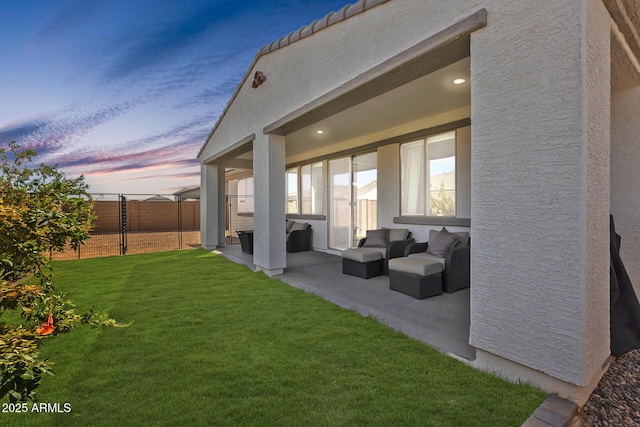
x=555 y=412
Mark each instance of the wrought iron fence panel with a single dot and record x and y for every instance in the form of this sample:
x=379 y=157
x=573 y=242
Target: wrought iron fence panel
x=139 y=223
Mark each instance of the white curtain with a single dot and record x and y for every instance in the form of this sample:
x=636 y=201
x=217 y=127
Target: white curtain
x=413 y=178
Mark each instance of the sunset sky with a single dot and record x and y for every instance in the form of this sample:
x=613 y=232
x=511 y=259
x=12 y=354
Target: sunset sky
x=126 y=91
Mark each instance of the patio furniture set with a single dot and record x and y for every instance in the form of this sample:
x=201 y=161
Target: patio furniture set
x=420 y=270
x=298 y=237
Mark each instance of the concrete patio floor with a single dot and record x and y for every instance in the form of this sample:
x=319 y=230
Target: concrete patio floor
x=441 y=321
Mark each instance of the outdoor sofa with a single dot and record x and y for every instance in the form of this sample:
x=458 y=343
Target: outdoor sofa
x=298 y=237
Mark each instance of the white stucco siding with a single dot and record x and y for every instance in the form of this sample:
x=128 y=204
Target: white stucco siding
x=529 y=200
x=625 y=176
x=269 y=204
x=596 y=60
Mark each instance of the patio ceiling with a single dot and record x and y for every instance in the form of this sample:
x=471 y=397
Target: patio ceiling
x=424 y=97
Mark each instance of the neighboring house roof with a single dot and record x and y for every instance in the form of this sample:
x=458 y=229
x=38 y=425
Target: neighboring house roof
x=158 y=198
x=368 y=191
x=188 y=193
x=331 y=18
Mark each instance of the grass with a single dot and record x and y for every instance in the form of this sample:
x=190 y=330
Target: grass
x=213 y=343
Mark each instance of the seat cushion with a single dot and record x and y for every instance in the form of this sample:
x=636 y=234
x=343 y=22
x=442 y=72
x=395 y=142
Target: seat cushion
x=362 y=254
x=427 y=256
x=415 y=266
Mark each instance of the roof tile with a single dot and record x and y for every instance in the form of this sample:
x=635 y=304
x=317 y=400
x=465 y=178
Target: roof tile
x=354 y=9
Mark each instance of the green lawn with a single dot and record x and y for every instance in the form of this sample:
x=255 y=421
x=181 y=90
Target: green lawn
x=213 y=343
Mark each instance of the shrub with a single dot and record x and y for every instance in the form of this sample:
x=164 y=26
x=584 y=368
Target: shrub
x=41 y=211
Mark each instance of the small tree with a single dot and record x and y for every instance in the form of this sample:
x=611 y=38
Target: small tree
x=442 y=205
x=41 y=211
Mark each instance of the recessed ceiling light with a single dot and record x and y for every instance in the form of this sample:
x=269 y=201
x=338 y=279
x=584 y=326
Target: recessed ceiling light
x=319 y=132
x=458 y=81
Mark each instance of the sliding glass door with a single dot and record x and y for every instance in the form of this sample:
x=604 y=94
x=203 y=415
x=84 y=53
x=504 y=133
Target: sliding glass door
x=353 y=199
x=365 y=195
x=339 y=203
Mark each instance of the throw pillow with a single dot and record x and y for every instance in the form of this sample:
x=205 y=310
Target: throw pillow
x=441 y=244
x=377 y=238
x=398 y=234
x=289 y=225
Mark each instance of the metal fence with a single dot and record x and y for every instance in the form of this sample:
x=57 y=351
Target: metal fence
x=139 y=223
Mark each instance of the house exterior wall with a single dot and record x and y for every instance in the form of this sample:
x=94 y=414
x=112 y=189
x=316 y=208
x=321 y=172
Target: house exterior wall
x=625 y=175
x=539 y=279
x=540 y=261
x=463 y=172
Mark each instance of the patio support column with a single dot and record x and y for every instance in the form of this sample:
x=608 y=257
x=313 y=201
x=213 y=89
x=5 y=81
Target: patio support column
x=540 y=196
x=269 y=220
x=212 y=206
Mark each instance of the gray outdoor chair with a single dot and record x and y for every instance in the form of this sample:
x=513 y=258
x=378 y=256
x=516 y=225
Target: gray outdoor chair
x=371 y=257
x=455 y=259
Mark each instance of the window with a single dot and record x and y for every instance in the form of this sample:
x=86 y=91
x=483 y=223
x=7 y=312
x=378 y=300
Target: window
x=306 y=195
x=292 y=191
x=428 y=174
x=317 y=191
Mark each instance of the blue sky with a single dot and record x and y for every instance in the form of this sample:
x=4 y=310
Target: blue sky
x=126 y=91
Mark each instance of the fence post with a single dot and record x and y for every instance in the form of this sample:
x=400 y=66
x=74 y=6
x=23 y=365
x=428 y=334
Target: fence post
x=123 y=224
x=180 y=221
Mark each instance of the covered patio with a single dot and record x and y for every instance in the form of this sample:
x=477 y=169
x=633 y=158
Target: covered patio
x=538 y=138
x=441 y=321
